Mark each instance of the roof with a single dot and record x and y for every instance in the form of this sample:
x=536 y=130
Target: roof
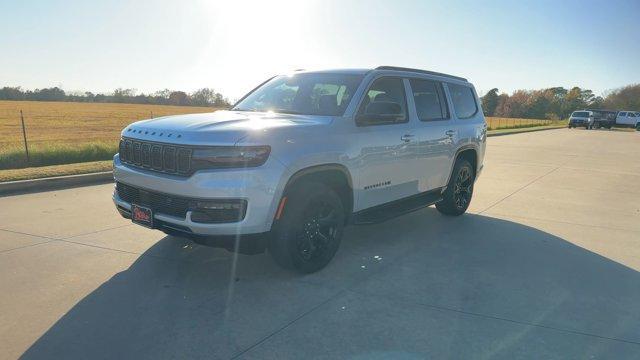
x=388 y=68
x=419 y=71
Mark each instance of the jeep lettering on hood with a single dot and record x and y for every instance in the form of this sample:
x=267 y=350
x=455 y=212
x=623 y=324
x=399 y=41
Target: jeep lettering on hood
x=218 y=128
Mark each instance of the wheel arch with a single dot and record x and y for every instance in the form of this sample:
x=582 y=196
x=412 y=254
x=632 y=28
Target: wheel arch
x=469 y=153
x=336 y=176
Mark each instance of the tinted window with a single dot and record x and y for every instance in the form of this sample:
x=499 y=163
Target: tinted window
x=384 y=103
x=631 y=115
x=306 y=93
x=429 y=100
x=464 y=101
x=622 y=114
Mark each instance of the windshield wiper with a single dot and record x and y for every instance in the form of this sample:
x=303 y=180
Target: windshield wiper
x=282 y=111
x=287 y=111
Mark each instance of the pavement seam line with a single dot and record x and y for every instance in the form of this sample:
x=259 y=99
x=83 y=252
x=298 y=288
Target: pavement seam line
x=25 y=246
x=97 y=231
x=493 y=317
x=23 y=233
x=288 y=324
x=520 y=189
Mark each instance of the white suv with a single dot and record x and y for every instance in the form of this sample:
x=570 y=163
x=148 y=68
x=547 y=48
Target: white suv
x=629 y=119
x=303 y=155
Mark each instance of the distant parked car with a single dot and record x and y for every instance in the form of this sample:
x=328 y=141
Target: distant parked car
x=603 y=118
x=581 y=118
x=628 y=119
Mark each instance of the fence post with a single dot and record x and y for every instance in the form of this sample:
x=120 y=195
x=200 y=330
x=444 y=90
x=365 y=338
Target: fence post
x=152 y=114
x=24 y=136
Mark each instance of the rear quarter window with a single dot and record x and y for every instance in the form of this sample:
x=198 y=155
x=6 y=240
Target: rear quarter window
x=464 y=101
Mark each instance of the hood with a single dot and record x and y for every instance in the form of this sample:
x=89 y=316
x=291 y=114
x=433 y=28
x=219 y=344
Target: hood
x=217 y=128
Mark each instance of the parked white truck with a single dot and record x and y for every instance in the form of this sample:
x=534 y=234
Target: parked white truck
x=628 y=119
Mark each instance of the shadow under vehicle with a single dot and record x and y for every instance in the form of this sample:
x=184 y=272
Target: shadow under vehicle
x=465 y=287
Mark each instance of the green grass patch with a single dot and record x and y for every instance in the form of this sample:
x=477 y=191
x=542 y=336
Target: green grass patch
x=55 y=170
x=514 y=125
x=56 y=154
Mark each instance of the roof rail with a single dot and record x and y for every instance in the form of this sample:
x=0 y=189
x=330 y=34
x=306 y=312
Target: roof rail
x=397 y=68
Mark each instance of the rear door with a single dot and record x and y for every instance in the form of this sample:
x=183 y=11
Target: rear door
x=622 y=118
x=434 y=130
x=470 y=125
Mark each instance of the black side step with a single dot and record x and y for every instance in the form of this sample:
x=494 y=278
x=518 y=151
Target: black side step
x=384 y=212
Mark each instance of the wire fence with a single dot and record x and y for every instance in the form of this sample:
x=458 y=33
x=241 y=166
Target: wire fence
x=50 y=133
x=496 y=123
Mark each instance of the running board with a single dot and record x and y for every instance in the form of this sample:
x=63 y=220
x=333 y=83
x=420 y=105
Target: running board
x=384 y=212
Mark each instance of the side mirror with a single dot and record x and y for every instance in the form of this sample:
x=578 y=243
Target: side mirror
x=380 y=112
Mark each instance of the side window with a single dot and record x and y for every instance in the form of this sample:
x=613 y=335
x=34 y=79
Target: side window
x=384 y=103
x=464 y=102
x=429 y=99
x=622 y=114
x=632 y=115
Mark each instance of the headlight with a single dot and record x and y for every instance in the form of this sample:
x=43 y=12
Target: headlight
x=229 y=157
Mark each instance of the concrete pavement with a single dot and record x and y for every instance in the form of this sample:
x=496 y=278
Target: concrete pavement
x=545 y=265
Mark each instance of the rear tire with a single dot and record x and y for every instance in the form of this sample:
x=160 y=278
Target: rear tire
x=457 y=196
x=308 y=234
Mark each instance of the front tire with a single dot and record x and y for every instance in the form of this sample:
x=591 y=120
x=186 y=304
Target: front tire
x=309 y=231
x=457 y=196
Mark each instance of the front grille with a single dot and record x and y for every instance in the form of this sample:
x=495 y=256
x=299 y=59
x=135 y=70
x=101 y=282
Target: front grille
x=166 y=158
x=158 y=202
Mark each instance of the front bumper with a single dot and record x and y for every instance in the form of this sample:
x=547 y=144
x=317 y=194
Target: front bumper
x=260 y=187
x=578 y=122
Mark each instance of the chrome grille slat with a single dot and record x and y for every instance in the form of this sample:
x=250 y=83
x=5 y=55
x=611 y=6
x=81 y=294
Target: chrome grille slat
x=146 y=155
x=156 y=157
x=169 y=159
x=166 y=158
x=183 y=160
x=137 y=153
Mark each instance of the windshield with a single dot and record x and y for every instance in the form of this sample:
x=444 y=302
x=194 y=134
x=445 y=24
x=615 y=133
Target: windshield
x=580 y=114
x=307 y=94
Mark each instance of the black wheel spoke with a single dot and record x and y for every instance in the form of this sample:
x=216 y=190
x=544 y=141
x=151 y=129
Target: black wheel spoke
x=317 y=232
x=462 y=188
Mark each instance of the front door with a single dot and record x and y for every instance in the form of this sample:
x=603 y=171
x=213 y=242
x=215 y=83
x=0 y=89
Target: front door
x=386 y=163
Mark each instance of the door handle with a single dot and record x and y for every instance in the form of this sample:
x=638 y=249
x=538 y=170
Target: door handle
x=407 y=137
x=450 y=133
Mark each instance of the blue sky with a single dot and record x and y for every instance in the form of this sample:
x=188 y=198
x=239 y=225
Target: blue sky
x=233 y=45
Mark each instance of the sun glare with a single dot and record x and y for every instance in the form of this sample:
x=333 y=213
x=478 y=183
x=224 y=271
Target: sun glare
x=257 y=39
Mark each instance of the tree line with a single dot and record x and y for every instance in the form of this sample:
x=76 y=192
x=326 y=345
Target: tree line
x=201 y=97
x=557 y=102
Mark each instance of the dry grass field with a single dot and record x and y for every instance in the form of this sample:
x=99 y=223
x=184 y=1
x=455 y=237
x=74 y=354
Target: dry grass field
x=73 y=123
x=63 y=133
x=495 y=123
